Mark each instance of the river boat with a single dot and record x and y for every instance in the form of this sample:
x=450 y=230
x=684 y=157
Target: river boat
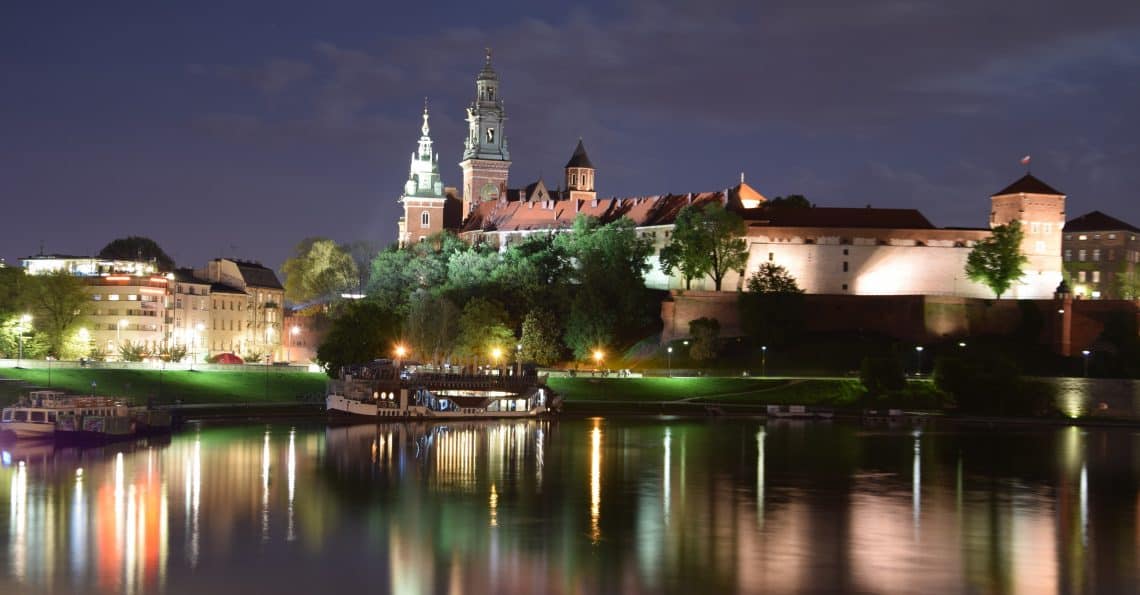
x=380 y=390
x=54 y=415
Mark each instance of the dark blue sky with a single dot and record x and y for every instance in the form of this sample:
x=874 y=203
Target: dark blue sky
x=240 y=130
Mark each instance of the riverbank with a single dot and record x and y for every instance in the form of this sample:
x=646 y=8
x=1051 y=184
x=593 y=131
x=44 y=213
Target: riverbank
x=159 y=387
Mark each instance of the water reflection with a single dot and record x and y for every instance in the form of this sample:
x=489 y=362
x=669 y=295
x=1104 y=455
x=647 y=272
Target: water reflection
x=578 y=506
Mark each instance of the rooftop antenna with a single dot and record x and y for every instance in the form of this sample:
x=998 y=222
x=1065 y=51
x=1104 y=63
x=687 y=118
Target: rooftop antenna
x=741 y=177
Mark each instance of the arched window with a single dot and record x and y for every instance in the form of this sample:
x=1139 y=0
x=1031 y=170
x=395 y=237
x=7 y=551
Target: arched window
x=574 y=179
x=425 y=219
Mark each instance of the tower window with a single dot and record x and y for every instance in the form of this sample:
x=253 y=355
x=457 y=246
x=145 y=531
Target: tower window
x=490 y=135
x=425 y=219
x=491 y=93
x=573 y=179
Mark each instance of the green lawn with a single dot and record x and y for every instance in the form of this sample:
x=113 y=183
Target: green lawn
x=710 y=390
x=188 y=387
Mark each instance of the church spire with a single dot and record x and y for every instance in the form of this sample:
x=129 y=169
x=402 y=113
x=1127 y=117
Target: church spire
x=423 y=176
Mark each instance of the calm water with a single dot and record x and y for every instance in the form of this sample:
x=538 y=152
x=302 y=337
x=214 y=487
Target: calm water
x=578 y=506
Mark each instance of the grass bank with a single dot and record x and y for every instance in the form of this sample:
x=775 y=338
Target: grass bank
x=185 y=386
x=751 y=391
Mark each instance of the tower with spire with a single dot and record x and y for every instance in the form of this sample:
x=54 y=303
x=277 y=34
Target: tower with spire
x=423 y=196
x=486 y=157
x=580 y=175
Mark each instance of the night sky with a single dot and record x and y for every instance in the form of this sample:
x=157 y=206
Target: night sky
x=237 y=129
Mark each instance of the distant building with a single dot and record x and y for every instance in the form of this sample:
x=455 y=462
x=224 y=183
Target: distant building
x=850 y=251
x=188 y=314
x=86 y=266
x=1101 y=256
x=248 y=309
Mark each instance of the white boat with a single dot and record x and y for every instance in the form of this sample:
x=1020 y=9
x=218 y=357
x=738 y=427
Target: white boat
x=36 y=416
x=375 y=390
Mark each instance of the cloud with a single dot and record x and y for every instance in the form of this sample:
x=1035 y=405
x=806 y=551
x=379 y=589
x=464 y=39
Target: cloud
x=272 y=77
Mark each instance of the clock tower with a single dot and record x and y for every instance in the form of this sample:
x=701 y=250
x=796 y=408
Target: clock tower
x=486 y=158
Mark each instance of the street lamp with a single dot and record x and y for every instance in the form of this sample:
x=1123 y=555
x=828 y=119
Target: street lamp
x=401 y=351
x=763 y=360
x=21 y=328
x=1086 y=353
x=918 y=352
x=198 y=328
x=118 y=336
x=670 y=352
x=518 y=359
x=293 y=332
x=962 y=344
x=598 y=355
x=496 y=353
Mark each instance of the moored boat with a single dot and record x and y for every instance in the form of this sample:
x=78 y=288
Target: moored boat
x=34 y=417
x=379 y=390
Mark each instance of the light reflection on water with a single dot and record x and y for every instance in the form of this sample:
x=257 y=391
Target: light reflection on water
x=578 y=506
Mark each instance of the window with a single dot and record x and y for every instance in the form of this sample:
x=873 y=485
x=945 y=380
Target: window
x=114 y=297
x=1046 y=228
x=1034 y=227
x=771 y=256
x=574 y=179
x=1068 y=255
x=845 y=251
x=1112 y=236
x=425 y=219
x=1112 y=254
x=1096 y=254
x=1081 y=255
x=844 y=287
x=1080 y=276
x=132 y=297
x=490 y=135
x=844 y=266
x=1096 y=276
x=1082 y=237
x=1068 y=236
x=97 y=297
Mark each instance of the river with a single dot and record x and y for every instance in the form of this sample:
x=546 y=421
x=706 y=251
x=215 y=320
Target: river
x=578 y=506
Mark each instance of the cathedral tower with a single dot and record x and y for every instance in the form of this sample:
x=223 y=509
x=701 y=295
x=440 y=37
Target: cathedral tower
x=486 y=159
x=423 y=197
x=580 y=175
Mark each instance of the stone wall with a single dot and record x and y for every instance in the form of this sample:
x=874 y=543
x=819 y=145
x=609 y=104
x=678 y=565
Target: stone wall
x=914 y=318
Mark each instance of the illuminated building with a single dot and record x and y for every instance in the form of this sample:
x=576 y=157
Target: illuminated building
x=1102 y=255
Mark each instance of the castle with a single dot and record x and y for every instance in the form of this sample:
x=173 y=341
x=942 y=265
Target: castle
x=852 y=251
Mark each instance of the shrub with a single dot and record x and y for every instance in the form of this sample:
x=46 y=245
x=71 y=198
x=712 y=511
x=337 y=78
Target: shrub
x=881 y=375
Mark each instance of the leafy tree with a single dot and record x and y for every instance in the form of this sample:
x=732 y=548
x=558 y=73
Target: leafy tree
x=772 y=310
x=1127 y=284
x=772 y=278
x=688 y=248
x=172 y=353
x=319 y=268
x=997 y=261
x=610 y=304
x=361 y=332
x=362 y=253
x=471 y=272
x=880 y=375
x=705 y=332
x=540 y=334
x=58 y=302
x=535 y=273
x=791 y=201
x=137 y=248
x=389 y=283
x=131 y=352
x=431 y=326
x=706 y=241
x=483 y=327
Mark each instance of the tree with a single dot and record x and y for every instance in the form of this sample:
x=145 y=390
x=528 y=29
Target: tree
x=880 y=375
x=483 y=327
x=137 y=248
x=705 y=332
x=1127 y=284
x=772 y=310
x=389 y=284
x=772 y=278
x=57 y=302
x=706 y=241
x=132 y=352
x=791 y=201
x=431 y=326
x=540 y=338
x=319 y=268
x=361 y=332
x=997 y=261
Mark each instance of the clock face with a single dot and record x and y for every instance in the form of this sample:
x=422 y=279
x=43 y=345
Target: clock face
x=489 y=192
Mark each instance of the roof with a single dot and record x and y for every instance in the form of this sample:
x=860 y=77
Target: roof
x=1028 y=184
x=223 y=288
x=580 y=158
x=1098 y=221
x=841 y=217
x=256 y=275
x=186 y=275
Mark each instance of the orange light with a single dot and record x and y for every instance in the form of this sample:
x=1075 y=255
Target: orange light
x=118 y=278
x=401 y=351
x=152 y=291
x=158 y=280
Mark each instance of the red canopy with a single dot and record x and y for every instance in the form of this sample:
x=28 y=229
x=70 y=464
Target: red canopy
x=228 y=358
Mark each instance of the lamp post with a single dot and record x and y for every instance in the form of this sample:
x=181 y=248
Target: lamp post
x=918 y=354
x=194 y=346
x=598 y=356
x=670 y=352
x=763 y=360
x=518 y=359
x=496 y=353
x=401 y=351
x=24 y=320
x=118 y=335
x=293 y=332
x=1086 y=353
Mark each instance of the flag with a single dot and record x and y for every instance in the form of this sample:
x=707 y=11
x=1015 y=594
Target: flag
x=1025 y=160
